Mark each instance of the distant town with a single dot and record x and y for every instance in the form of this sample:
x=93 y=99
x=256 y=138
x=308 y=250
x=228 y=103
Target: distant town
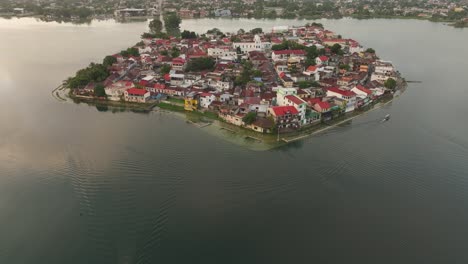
x=278 y=81
x=453 y=11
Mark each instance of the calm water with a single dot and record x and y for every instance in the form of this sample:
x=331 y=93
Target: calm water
x=82 y=186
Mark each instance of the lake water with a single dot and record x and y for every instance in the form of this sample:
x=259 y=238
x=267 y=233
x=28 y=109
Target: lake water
x=78 y=185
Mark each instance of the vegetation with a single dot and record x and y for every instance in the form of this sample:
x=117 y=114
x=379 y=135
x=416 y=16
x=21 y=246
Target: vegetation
x=175 y=52
x=130 y=52
x=336 y=48
x=256 y=31
x=370 y=50
x=246 y=74
x=390 y=83
x=99 y=91
x=172 y=22
x=155 y=26
x=108 y=61
x=165 y=69
x=95 y=72
x=250 y=117
x=161 y=35
x=188 y=34
x=201 y=64
x=307 y=84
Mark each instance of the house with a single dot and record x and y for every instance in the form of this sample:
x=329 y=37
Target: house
x=347 y=95
x=191 y=101
x=257 y=44
x=279 y=55
x=206 y=99
x=262 y=125
x=361 y=91
x=299 y=104
x=136 y=95
x=115 y=91
x=281 y=94
x=178 y=64
x=322 y=60
x=285 y=116
x=322 y=107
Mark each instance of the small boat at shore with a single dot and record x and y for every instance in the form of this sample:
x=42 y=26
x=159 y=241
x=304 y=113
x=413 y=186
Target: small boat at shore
x=386 y=118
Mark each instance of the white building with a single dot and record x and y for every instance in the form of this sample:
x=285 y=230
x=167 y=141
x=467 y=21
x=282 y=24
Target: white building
x=221 y=52
x=206 y=99
x=256 y=45
x=115 y=91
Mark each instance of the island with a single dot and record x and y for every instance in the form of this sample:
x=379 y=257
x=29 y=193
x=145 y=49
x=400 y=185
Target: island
x=81 y=11
x=287 y=80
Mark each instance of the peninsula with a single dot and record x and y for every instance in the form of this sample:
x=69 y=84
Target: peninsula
x=286 y=80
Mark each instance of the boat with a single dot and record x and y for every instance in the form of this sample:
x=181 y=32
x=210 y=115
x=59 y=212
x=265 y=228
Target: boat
x=386 y=118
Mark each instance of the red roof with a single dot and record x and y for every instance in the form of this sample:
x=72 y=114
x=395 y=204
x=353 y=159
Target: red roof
x=178 y=60
x=206 y=94
x=364 y=89
x=342 y=92
x=323 y=105
x=167 y=77
x=136 y=91
x=313 y=101
x=283 y=110
x=295 y=52
x=323 y=58
x=143 y=82
x=294 y=99
x=159 y=86
x=312 y=68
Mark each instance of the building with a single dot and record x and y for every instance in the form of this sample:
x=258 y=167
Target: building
x=284 y=55
x=178 y=64
x=347 y=95
x=299 y=104
x=115 y=91
x=281 y=94
x=136 y=95
x=285 y=116
x=256 y=45
x=206 y=99
x=191 y=101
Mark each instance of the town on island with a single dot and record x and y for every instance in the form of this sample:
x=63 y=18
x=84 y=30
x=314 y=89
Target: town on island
x=285 y=80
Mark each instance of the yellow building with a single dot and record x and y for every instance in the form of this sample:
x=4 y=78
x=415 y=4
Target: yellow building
x=191 y=102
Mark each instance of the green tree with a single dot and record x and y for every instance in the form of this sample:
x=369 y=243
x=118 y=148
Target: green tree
x=175 y=52
x=188 y=34
x=249 y=118
x=370 y=50
x=336 y=48
x=201 y=64
x=256 y=31
x=108 y=61
x=165 y=69
x=172 y=22
x=390 y=83
x=99 y=91
x=155 y=26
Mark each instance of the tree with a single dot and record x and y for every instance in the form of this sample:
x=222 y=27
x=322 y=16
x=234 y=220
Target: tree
x=165 y=69
x=175 y=52
x=108 y=61
x=130 y=52
x=155 y=26
x=99 y=91
x=345 y=67
x=336 y=48
x=249 y=118
x=201 y=64
x=256 y=31
x=370 y=50
x=390 y=83
x=188 y=34
x=172 y=22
